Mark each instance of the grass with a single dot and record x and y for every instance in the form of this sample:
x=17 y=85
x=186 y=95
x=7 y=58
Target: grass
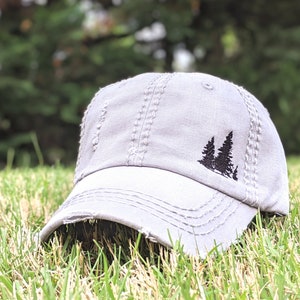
x=265 y=264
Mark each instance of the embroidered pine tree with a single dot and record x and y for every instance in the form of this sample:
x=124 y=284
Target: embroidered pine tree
x=223 y=163
x=208 y=152
x=234 y=175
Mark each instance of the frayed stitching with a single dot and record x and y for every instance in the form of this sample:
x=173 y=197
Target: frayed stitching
x=101 y=119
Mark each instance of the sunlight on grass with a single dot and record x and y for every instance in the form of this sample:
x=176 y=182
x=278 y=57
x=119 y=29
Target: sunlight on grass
x=263 y=265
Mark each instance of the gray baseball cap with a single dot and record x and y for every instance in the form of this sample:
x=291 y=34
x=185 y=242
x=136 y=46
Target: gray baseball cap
x=186 y=156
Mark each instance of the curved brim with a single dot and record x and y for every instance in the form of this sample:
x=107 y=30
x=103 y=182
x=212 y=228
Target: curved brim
x=164 y=206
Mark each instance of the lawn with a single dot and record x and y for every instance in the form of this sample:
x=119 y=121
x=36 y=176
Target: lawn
x=265 y=264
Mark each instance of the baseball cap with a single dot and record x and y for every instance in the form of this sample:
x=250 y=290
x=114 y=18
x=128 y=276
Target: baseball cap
x=183 y=157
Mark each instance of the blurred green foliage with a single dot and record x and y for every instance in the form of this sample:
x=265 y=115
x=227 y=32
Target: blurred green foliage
x=54 y=55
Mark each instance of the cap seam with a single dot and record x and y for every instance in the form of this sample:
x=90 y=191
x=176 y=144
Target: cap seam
x=151 y=115
x=82 y=134
x=252 y=149
x=133 y=148
x=99 y=123
x=143 y=123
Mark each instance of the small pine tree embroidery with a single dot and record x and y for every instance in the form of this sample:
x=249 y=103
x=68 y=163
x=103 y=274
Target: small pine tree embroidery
x=208 y=152
x=234 y=175
x=222 y=163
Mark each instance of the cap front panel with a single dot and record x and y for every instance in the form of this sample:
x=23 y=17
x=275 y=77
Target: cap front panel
x=198 y=114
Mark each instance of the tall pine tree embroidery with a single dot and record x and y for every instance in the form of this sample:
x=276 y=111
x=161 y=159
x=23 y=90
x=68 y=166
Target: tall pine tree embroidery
x=208 y=152
x=222 y=163
x=234 y=175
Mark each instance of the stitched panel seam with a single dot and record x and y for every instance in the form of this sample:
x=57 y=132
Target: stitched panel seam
x=82 y=134
x=101 y=119
x=151 y=115
x=252 y=149
x=137 y=125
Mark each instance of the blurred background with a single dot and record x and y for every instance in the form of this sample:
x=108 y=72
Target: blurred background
x=55 y=54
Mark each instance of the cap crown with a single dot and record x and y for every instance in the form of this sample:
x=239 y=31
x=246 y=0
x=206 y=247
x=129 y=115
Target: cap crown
x=193 y=124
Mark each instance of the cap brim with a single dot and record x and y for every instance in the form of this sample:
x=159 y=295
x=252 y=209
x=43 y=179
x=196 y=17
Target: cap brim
x=158 y=203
